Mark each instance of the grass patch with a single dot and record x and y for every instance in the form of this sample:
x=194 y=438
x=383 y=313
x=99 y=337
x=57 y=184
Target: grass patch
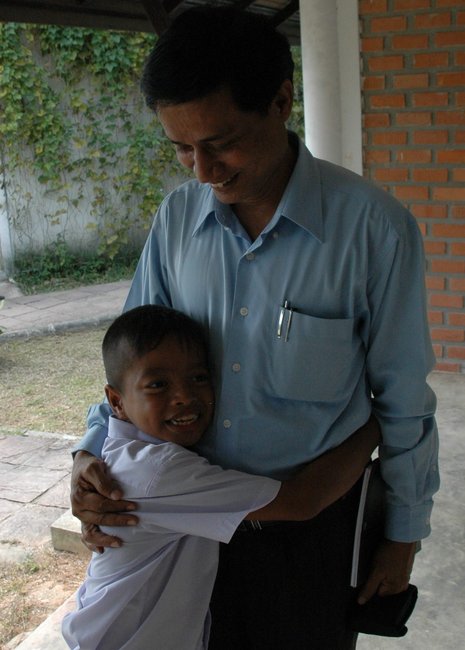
x=47 y=383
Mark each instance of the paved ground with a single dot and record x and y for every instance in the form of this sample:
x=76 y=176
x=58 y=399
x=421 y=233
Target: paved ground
x=34 y=478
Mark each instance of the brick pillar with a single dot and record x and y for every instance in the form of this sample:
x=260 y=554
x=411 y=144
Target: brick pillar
x=413 y=98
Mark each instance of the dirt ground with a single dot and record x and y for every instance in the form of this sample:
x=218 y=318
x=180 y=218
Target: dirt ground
x=46 y=384
x=33 y=589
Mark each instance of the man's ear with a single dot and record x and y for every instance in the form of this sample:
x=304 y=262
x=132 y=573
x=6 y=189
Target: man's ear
x=115 y=399
x=282 y=102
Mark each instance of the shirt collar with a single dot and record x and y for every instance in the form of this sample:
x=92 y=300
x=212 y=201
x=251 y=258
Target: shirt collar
x=122 y=429
x=300 y=203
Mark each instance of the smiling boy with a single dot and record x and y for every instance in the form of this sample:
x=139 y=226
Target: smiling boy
x=154 y=591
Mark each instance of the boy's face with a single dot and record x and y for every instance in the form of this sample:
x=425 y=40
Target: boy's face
x=167 y=393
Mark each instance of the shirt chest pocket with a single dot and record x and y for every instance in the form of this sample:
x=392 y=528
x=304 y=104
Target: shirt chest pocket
x=315 y=359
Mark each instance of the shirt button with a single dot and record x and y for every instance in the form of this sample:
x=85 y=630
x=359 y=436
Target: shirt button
x=250 y=256
x=275 y=235
x=243 y=311
x=227 y=424
x=236 y=367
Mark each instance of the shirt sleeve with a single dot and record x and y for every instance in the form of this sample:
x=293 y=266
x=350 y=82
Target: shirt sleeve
x=147 y=287
x=188 y=495
x=400 y=356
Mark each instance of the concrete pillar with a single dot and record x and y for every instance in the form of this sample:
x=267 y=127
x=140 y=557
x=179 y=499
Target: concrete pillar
x=331 y=76
x=6 y=243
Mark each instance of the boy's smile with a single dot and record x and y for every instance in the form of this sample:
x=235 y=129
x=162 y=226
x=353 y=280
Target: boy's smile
x=167 y=393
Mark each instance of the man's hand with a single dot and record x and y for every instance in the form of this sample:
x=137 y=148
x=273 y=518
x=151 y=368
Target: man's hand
x=390 y=571
x=97 y=500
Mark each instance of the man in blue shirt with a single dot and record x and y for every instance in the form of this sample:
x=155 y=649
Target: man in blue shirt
x=310 y=282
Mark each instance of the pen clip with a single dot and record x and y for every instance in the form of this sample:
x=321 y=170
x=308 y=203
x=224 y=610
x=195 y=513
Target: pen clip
x=281 y=318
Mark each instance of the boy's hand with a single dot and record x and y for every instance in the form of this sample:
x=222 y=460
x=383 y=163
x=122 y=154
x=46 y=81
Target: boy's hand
x=97 y=500
x=390 y=571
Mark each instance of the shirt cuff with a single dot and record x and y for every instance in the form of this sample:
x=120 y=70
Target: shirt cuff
x=93 y=441
x=405 y=524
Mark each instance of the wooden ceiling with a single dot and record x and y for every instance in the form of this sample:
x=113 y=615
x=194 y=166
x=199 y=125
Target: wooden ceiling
x=138 y=15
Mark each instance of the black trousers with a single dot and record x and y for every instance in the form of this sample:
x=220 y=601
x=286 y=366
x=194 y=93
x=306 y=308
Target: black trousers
x=286 y=587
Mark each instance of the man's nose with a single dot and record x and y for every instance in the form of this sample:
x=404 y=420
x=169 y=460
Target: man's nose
x=206 y=166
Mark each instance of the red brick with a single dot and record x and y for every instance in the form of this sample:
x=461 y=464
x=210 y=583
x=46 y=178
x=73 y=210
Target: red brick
x=435 y=282
x=438 y=350
x=435 y=248
x=410 y=42
x=435 y=318
x=449 y=3
x=443 y=334
x=408 y=5
x=422 y=228
x=411 y=118
x=383 y=63
x=390 y=138
x=391 y=175
x=454 y=352
x=446 y=39
x=430 y=137
x=456 y=319
x=450 y=117
x=453 y=156
x=460 y=17
x=448 y=229
x=429 y=211
x=450 y=79
x=387 y=101
x=457 y=284
x=372 y=44
x=460 y=99
x=449 y=194
x=422 y=175
x=411 y=192
x=414 y=156
x=420 y=80
x=390 y=24
x=458 y=249
x=447 y=266
x=373 y=120
x=377 y=156
x=447 y=367
x=445 y=300
x=458 y=211
x=431 y=60
x=372 y=6
x=460 y=137
x=432 y=20
x=430 y=99
x=458 y=175
x=460 y=56
x=373 y=83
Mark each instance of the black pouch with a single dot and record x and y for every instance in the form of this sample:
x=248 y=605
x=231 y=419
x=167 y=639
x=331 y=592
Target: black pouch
x=384 y=615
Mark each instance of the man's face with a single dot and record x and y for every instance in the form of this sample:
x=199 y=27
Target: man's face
x=167 y=393
x=241 y=155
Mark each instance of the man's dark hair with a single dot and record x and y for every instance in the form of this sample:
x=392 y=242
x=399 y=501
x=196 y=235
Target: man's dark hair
x=209 y=48
x=142 y=329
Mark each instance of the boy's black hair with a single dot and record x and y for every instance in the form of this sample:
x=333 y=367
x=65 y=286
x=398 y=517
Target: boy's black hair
x=207 y=48
x=142 y=329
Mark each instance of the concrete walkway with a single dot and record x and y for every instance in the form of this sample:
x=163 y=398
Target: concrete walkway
x=35 y=469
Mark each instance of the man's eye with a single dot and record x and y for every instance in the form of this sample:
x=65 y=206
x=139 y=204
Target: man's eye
x=203 y=378
x=182 y=148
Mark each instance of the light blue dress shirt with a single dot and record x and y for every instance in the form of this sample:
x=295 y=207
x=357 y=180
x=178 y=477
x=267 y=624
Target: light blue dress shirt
x=154 y=591
x=349 y=260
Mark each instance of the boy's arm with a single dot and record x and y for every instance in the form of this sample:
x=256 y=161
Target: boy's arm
x=324 y=480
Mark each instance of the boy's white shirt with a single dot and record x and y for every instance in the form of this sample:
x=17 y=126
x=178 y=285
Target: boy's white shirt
x=155 y=590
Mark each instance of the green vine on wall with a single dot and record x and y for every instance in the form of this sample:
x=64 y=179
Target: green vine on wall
x=74 y=119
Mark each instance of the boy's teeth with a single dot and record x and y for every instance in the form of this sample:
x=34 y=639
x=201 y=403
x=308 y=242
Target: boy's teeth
x=185 y=420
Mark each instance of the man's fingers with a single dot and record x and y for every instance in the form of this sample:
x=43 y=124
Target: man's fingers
x=95 y=540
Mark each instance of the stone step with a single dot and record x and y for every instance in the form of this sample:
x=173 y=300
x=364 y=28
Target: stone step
x=66 y=534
